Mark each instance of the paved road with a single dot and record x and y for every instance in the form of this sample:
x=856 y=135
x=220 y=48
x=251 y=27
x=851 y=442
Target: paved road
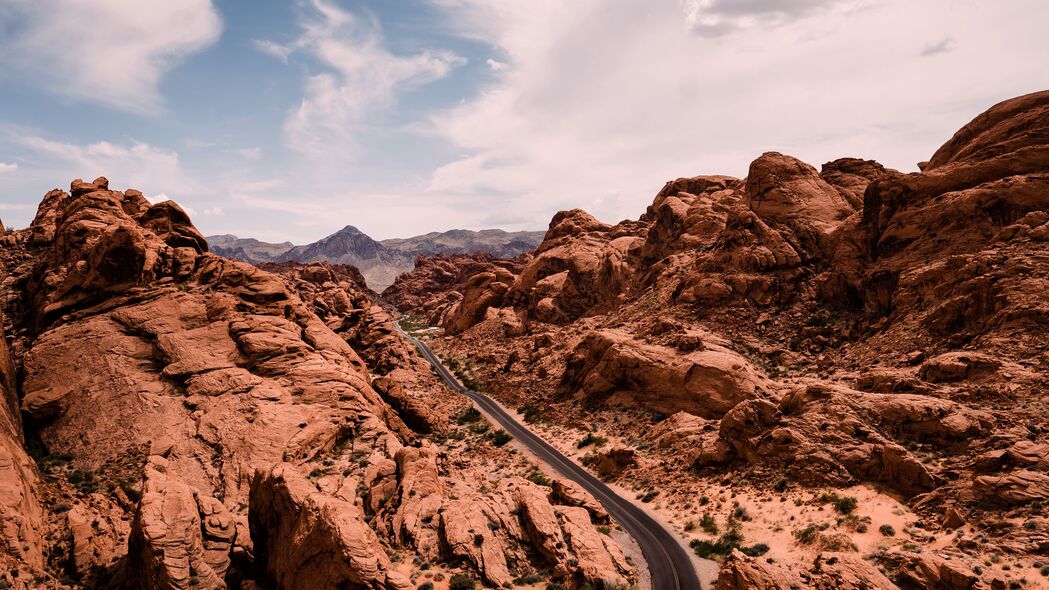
x=668 y=561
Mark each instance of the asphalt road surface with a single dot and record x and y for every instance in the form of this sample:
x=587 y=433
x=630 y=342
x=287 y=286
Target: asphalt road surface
x=669 y=563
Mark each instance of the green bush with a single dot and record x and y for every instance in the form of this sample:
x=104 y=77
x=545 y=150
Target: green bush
x=461 y=582
x=538 y=478
x=500 y=438
x=468 y=416
x=591 y=439
x=755 y=550
x=887 y=530
x=531 y=413
x=842 y=504
x=708 y=524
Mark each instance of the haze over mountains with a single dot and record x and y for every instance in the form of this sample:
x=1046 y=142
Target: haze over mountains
x=380 y=261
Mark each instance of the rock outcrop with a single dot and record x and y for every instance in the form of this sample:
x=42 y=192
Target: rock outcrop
x=21 y=516
x=307 y=539
x=706 y=382
x=851 y=325
x=198 y=417
x=181 y=538
x=437 y=284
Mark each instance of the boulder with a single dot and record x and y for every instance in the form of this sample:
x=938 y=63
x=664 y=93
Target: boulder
x=180 y=538
x=305 y=539
x=932 y=572
x=1016 y=487
x=706 y=382
x=569 y=493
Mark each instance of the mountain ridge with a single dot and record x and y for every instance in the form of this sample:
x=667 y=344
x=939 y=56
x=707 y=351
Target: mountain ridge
x=380 y=261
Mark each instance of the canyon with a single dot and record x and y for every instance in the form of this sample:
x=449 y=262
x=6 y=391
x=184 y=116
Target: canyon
x=830 y=378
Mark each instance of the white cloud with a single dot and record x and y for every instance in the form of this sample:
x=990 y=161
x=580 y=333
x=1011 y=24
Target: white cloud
x=361 y=77
x=5 y=167
x=250 y=153
x=606 y=101
x=496 y=65
x=112 y=52
x=719 y=17
x=135 y=164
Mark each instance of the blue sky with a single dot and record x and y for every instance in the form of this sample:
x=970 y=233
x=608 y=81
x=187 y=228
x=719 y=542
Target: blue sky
x=289 y=120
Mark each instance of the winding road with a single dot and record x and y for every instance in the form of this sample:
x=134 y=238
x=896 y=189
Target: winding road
x=668 y=561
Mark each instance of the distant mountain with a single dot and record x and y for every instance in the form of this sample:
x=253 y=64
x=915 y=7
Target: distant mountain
x=379 y=261
x=247 y=249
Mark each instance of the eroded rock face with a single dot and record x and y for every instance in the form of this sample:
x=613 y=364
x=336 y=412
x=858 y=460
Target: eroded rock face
x=786 y=191
x=307 y=539
x=437 y=282
x=848 y=572
x=834 y=434
x=707 y=382
x=181 y=538
x=21 y=517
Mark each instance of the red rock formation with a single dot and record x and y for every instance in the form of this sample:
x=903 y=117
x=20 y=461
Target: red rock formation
x=292 y=523
x=217 y=391
x=21 y=517
x=707 y=382
x=855 y=324
x=438 y=282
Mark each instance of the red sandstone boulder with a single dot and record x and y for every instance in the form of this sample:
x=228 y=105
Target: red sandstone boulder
x=292 y=523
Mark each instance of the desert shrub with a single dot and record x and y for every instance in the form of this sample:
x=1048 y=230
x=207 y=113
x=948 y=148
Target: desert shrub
x=842 y=504
x=740 y=512
x=591 y=439
x=461 y=582
x=500 y=438
x=538 y=478
x=887 y=530
x=708 y=524
x=531 y=413
x=732 y=539
x=468 y=416
x=529 y=578
x=755 y=550
x=807 y=535
x=813 y=535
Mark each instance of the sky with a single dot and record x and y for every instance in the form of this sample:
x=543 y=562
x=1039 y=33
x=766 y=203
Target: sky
x=289 y=120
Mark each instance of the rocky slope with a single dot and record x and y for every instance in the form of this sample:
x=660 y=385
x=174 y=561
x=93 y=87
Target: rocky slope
x=176 y=419
x=437 y=283
x=780 y=336
x=380 y=261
